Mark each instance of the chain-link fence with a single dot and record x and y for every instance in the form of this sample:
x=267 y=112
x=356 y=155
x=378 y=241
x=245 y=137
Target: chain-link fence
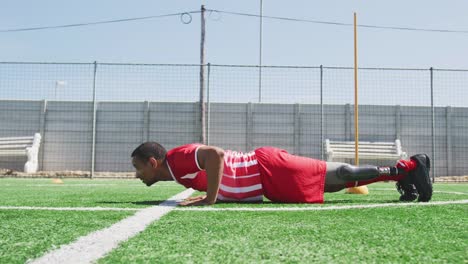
x=92 y=115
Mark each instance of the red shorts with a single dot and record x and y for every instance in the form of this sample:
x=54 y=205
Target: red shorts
x=288 y=178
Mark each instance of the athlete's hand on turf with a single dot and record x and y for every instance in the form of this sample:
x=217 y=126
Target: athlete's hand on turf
x=195 y=198
x=195 y=201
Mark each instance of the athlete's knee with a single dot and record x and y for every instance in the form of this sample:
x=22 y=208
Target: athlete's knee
x=346 y=172
x=350 y=172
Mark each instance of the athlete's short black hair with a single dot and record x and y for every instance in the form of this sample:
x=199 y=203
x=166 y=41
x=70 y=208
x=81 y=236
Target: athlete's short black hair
x=149 y=149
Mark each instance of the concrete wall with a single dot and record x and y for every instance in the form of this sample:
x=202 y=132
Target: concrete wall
x=67 y=130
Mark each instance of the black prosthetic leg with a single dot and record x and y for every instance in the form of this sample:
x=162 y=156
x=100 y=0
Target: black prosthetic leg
x=361 y=173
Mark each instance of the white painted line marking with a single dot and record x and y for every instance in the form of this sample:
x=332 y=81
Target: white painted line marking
x=85 y=185
x=318 y=208
x=230 y=209
x=136 y=209
x=68 y=208
x=94 y=246
x=446 y=192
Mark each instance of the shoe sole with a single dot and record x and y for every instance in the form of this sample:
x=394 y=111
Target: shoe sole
x=408 y=198
x=406 y=195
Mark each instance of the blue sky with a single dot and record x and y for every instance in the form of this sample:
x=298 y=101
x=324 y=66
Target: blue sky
x=235 y=39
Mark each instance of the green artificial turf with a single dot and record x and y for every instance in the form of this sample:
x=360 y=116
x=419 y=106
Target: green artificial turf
x=29 y=234
x=84 y=193
x=419 y=234
x=379 y=235
x=378 y=193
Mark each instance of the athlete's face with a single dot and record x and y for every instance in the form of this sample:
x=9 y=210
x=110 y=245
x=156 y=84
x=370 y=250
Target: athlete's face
x=147 y=171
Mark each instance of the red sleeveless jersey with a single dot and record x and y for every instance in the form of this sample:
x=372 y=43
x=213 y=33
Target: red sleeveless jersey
x=268 y=171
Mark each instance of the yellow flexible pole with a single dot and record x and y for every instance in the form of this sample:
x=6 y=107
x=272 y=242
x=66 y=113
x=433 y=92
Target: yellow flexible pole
x=360 y=189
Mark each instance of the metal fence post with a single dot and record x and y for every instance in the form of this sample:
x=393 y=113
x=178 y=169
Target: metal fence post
x=448 y=135
x=146 y=118
x=93 y=146
x=321 y=112
x=297 y=128
x=42 y=130
x=249 y=127
x=398 y=122
x=347 y=122
x=208 y=110
x=433 y=124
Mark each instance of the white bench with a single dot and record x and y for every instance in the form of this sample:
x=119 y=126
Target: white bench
x=22 y=146
x=367 y=150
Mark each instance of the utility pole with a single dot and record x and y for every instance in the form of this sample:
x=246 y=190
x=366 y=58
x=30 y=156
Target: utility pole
x=202 y=77
x=260 y=54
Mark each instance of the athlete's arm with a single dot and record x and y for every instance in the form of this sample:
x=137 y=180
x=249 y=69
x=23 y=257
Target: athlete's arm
x=212 y=160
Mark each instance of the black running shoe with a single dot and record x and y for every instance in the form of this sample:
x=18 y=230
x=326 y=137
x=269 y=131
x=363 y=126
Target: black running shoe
x=407 y=190
x=420 y=177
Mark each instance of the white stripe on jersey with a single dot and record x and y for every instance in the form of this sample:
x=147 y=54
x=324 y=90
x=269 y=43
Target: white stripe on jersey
x=189 y=176
x=243 y=164
x=241 y=177
x=240 y=189
x=196 y=158
x=241 y=154
x=172 y=174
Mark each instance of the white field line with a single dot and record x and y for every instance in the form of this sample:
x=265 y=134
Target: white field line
x=86 y=185
x=445 y=192
x=67 y=208
x=65 y=185
x=324 y=208
x=89 y=248
x=195 y=209
x=358 y=206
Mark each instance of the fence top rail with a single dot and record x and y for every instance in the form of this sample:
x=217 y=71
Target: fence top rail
x=266 y=66
x=49 y=63
x=396 y=69
x=232 y=65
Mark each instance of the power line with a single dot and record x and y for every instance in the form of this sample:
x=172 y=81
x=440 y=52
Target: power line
x=233 y=13
x=101 y=22
x=340 y=23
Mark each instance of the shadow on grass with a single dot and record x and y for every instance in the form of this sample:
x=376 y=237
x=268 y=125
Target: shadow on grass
x=155 y=202
x=340 y=201
x=346 y=201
